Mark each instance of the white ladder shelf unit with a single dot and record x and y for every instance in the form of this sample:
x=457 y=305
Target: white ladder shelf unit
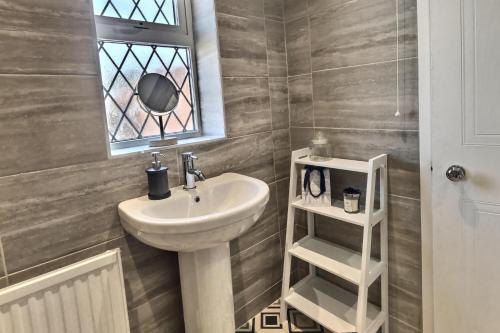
x=333 y=307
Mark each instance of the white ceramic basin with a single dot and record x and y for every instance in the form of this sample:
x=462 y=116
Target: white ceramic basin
x=217 y=211
x=199 y=224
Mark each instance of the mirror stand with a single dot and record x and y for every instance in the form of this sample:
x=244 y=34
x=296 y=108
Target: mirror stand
x=162 y=141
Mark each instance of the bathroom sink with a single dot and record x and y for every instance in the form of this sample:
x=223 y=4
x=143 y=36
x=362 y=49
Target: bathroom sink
x=199 y=223
x=217 y=211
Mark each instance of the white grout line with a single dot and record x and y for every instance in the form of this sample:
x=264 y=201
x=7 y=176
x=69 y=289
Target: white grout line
x=48 y=74
x=259 y=295
x=363 y=65
x=398 y=111
x=287 y=77
x=258 y=243
x=404 y=197
x=405 y=323
x=252 y=77
x=264 y=17
x=357 y=129
x=310 y=65
x=269 y=92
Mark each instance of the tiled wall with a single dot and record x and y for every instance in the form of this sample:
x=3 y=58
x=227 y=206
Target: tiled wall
x=343 y=57
x=58 y=189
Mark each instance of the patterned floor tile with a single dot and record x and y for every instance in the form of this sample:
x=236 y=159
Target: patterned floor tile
x=269 y=321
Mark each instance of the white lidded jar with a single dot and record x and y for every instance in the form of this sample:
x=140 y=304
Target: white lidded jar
x=320 y=149
x=351 y=200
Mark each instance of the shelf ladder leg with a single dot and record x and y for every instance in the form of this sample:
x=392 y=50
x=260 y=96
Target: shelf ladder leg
x=287 y=263
x=363 y=285
x=290 y=227
x=366 y=251
x=311 y=233
x=384 y=255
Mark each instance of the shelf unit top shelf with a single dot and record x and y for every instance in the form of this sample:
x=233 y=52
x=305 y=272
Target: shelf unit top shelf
x=335 y=259
x=335 y=308
x=336 y=163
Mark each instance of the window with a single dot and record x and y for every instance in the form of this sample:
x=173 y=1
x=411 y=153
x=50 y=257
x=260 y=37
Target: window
x=136 y=37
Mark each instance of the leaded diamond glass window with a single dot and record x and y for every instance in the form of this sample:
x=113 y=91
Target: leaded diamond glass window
x=164 y=44
x=154 y=11
x=122 y=65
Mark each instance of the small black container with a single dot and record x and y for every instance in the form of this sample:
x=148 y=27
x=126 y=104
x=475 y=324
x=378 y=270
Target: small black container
x=157 y=180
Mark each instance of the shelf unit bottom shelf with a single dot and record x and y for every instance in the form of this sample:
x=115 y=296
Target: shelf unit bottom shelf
x=331 y=306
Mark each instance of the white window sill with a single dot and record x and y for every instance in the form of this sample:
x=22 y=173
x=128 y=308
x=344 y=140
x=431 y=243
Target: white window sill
x=181 y=143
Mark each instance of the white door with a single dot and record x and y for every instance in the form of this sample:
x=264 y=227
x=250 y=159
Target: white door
x=465 y=126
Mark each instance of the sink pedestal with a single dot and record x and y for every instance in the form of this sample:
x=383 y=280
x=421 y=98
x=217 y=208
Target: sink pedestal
x=207 y=290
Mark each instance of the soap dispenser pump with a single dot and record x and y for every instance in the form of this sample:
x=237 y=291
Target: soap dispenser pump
x=157 y=179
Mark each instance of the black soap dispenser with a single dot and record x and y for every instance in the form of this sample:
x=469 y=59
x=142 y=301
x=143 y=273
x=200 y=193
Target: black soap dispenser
x=157 y=179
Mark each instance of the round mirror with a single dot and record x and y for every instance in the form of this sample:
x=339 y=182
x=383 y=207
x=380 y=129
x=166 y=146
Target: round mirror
x=157 y=94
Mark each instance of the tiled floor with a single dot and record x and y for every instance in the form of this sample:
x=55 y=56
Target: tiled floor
x=268 y=321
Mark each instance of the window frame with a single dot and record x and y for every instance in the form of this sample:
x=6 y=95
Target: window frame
x=111 y=29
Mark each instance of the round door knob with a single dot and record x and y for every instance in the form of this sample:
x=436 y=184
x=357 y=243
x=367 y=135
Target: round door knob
x=455 y=173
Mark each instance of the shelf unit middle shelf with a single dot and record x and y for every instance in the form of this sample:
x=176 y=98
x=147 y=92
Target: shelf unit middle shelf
x=336 y=211
x=335 y=259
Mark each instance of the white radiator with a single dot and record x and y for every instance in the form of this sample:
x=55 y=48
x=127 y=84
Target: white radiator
x=86 y=297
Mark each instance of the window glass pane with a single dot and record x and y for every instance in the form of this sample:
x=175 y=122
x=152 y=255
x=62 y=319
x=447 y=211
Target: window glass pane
x=154 y=11
x=122 y=65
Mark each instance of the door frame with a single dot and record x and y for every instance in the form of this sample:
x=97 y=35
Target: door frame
x=425 y=138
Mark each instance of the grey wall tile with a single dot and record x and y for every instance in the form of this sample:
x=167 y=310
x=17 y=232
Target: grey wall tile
x=249 y=155
x=320 y=6
x=60 y=211
x=163 y=314
x=282 y=155
x=2 y=261
x=64 y=209
x=256 y=270
x=342 y=233
x=242 y=46
x=300 y=137
x=353 y=33
x=295 y=9
x=257 y=304
x=401 y=146
x=77 y=8
x=301 y=100
x=397 y=326
x=274 y=9
x=240 y=7
x=31 y=20
x=276 y=52
x=405 y=306
x=298 y=46
x=357 y=97
x=147 y=271
x=266 y=226
x=408 y=92
x=33 y=52
x=3 y=282
x=408 y=40
x=355 y=106
x=405 y=255
x=283 y=190
x=247 y=105
x=278 y=89
x=56 y=120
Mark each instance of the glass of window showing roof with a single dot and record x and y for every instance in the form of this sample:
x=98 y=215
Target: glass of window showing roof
x=154 y=11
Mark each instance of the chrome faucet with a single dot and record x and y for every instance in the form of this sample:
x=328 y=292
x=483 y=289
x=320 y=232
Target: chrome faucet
x=190 y=172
